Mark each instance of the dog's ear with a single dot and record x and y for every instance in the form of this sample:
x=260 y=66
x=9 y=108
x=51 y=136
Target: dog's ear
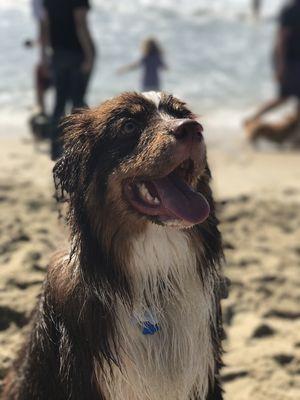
x=70 y=170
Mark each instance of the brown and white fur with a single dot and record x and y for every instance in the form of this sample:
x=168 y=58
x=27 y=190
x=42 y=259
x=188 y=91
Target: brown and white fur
x=128 y=258
x=280 y=132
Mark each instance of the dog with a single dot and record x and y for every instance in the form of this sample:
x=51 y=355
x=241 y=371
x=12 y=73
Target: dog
x=279 y=132
x=132 y=311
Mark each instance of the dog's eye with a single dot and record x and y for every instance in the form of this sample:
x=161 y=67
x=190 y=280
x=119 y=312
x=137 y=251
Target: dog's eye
x=130 y=127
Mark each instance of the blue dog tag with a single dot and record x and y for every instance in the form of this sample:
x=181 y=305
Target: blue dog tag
x=148 y=323
x=150 y=329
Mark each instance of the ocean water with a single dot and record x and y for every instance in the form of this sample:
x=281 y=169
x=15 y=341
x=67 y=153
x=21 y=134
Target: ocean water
x=218 y=55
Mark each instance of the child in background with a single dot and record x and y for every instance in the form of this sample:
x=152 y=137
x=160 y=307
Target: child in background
x=151 y=62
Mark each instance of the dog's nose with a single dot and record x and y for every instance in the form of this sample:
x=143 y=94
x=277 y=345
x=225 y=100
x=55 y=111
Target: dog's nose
x=187 y=128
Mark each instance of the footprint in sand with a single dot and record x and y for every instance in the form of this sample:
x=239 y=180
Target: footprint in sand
x=245 y=262
x=233 y=374
x=8 y=316
x=32 y=256
x=284 y=314
x=283 y=359
x=262 y=331
x=24 y=285
x=270 y=279
x=6 y=188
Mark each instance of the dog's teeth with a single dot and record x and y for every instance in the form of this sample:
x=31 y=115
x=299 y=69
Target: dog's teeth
x=149 y=197
x=142 y=189
x=145 y=194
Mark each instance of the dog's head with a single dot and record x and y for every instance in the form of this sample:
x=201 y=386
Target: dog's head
x=137 y=159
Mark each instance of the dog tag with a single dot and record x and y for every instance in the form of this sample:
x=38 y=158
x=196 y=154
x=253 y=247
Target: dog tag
x=150 y=329
x=148 y=323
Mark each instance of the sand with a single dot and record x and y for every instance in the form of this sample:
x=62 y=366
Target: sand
x=258 y=198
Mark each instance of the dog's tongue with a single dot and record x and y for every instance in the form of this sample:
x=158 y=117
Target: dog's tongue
x=180 y=200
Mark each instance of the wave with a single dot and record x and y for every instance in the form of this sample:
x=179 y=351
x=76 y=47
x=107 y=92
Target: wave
x=196 y=8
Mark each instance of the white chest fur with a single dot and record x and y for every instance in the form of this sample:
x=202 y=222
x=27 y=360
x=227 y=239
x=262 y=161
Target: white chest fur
x=178 y=359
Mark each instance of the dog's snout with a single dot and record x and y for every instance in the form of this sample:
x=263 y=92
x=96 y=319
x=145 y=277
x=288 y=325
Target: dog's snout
x=187 y=128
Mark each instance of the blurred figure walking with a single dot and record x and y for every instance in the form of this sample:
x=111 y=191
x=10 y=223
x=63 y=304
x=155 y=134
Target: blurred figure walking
x=286 y=60
x=73 y=57
x=152 y=62
x=43 y=68
x=256 y=7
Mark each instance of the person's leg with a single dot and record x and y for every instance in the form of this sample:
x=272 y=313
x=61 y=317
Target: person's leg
x=78 y=83
x=62 y=89
x=40 y=89
x=62 y=92
x=268 y=106
x=293 y=84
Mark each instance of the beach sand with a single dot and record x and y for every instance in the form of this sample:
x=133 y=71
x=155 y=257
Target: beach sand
x=258 y=198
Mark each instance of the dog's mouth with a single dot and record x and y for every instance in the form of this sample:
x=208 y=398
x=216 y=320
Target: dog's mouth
x=171 y=198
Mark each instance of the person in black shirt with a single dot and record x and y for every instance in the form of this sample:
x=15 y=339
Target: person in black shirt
x=67 y=33
x=286 y=60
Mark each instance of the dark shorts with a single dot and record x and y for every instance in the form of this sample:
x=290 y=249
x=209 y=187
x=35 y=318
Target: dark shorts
x=70 y=84
x=290 y=84
x=69 y=80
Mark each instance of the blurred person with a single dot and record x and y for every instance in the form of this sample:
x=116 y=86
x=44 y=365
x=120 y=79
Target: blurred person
x=42 y=70
x=286 y=61
x=152 y=62
x=256 y=7
x=68 y=34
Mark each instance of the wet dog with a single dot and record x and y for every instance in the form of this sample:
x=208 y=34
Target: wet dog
x=132 y=312
x=279 y=132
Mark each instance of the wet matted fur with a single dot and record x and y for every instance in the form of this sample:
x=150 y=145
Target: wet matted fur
x=131 y=256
